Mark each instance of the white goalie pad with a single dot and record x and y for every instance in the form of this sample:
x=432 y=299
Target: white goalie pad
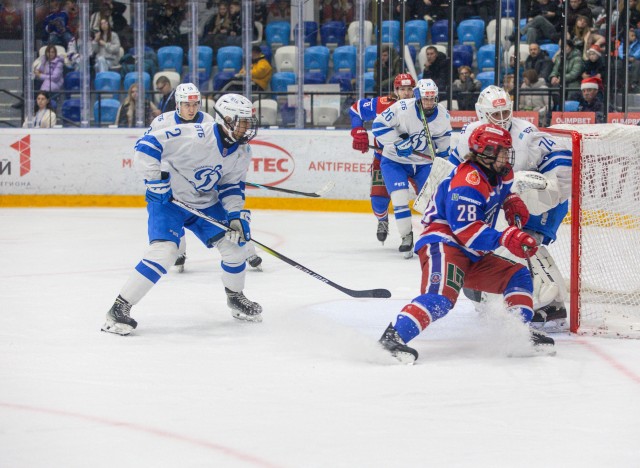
x=548 y=284
x=440 y=170
x=538 y=192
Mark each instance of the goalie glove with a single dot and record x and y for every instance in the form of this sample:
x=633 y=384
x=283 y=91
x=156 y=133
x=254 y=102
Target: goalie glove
x=239 y=224
x=518 y=242
x=360 y=139
x=515 y=210
x=159 y=191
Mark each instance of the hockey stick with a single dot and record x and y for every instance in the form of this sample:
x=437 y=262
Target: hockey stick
x=525 y=249
x=416 y=93
x=377 y=293
x=316 y=194
x=422 y=155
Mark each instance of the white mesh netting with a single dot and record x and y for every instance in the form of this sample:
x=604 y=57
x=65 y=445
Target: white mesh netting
x=609 y=247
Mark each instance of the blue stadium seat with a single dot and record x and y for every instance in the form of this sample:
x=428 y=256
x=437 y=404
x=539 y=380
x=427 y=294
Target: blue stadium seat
x=370 y=57
x=471 y=32
x=486 y=58
x=391 y=33
x=71 y=110
x=440 y=32
x=415 y=33
x=486 y=78
x=316 y=60
x=170 y=58
x=344 y=59
x=280 y=81
x=369 y=83
x=462 y=55
x=344 y=79
x=333 y=33
x=277 y=34
x=508 y=8
x=132 y=77
x=310 y=33
x=551 y=49
x=205 y=62
x=107 y=81
x=222 y=78
x=229 y=59
x=266 y=50
x=314 y=78
x=105 y=111
x=571 y=106
x=204 y=82
x=72 y=83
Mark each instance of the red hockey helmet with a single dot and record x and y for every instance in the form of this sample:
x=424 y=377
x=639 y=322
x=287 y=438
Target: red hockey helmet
x=403 y=79
x=488 y=141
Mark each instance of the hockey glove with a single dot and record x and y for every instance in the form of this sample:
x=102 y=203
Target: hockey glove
x=404 y=148
x=514 y=208
x=360 y=139
x=159 y=191
x=240 y=232
x=518 y=242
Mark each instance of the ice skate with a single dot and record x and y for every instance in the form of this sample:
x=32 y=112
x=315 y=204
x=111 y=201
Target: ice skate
x=118 y=318
x=542 y=344
x=242 y=308
x=406 y=247
x=255 y=262
x=179 y=265
x=392 y=342
x=551 y=318
x=383 y=231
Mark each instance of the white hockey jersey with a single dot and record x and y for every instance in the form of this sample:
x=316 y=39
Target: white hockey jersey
x=534 y=151
x=202 y=170
x=403 y=118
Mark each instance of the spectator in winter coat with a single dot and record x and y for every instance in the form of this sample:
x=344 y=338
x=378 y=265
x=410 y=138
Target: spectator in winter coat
x=591 y=101
x=391 y=67
x=573 y=68
x=539 y=61
x=576 y=8
x=106 y=47
x=594 y=66
x=50 y=70
x=466 y=83
x=534 y=102
x=127 y=116
x=545 y=22
x=436 y=68
x=634 y=62
x=261 y=72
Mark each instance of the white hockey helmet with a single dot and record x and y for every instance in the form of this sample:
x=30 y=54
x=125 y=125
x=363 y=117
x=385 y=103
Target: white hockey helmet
x=427 y=89
x=494 y=106
x=187 y=92
x=232 y=110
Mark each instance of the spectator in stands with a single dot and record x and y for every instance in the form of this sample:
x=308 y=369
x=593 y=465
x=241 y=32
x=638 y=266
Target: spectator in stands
x=106 y=47
x=591 y=100
x=620 y=17
x=168 y=101
x=260 y=12
x=103 y=13
x=508 y=84
x=539 y=61
x=280 y=10
x=56 y=25
x=468 y=85
x=235 y=31
x=261 y=72
x=573 y=68
x=634 y=62
x=337 y=10
x=436 y=68
x=50 y=70
x=218 y=27
x=576 y=8
x=392 y=65
x=428 y=10
x=72 y=57
x=45 y=117
x=545 y=22
x=127 y=113
x=10 y=20
x=165 y=28
x=594 y=66
x=534 y=102
x=583 y=36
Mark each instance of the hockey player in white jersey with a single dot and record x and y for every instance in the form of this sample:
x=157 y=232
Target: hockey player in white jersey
x=536 y=154
x=401 y=132
x=205 y=166
x=188 y=104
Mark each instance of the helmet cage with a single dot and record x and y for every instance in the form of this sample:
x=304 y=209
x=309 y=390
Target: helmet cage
x=231 y=109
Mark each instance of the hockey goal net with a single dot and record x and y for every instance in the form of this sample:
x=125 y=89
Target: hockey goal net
x=598 y=246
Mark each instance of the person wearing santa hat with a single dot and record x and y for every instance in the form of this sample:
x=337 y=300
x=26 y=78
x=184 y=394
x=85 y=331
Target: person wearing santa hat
x=591 y=100
x=594 y=66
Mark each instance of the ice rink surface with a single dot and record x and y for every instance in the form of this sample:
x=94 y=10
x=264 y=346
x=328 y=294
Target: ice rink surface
x=307 y=387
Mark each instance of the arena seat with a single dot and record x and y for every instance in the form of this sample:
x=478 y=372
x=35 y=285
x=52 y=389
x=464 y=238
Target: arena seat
x=332 y=34
x=105 y=111
x=170 y=58
x=107 y=81
x=344 y=59
x=415 y=33
x=229 y=59
x=132 y=77
x=278 y=34
x=471 y=32
x=286 y=59
x=486 y=78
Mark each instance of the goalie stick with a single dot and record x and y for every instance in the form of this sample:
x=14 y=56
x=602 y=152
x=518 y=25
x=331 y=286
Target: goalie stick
x=416 y=93
x=316 y=194
x=376 y=293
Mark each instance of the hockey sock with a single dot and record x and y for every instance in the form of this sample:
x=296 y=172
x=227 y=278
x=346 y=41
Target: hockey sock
x=380 y=207
x=518 y=294
x=155 y=263
x=412 y=319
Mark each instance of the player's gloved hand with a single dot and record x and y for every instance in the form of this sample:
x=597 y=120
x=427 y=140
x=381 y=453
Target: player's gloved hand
x=159 y=191
x=514 y=208
x=404 y=148
x=360 y=139
x=518 y=242
x=239 y=222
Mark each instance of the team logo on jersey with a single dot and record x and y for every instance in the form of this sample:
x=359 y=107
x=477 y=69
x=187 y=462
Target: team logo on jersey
x=207 y=178
x=435 y=278
x=473 y=178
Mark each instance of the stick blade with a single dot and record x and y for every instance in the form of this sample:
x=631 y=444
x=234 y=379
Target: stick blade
x=374 y=293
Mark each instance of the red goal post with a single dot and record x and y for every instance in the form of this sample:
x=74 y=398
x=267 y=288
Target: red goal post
x=598 y=246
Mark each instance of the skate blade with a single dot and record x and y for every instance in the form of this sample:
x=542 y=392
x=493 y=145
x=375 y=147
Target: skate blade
x=178 y=268
x=554 y=326
x=257 y=268
x=245 y=317
x=407 y=359
x=121 y=329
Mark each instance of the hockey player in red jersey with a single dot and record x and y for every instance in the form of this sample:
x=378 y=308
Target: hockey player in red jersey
x=457 y=244
x=366 y=110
